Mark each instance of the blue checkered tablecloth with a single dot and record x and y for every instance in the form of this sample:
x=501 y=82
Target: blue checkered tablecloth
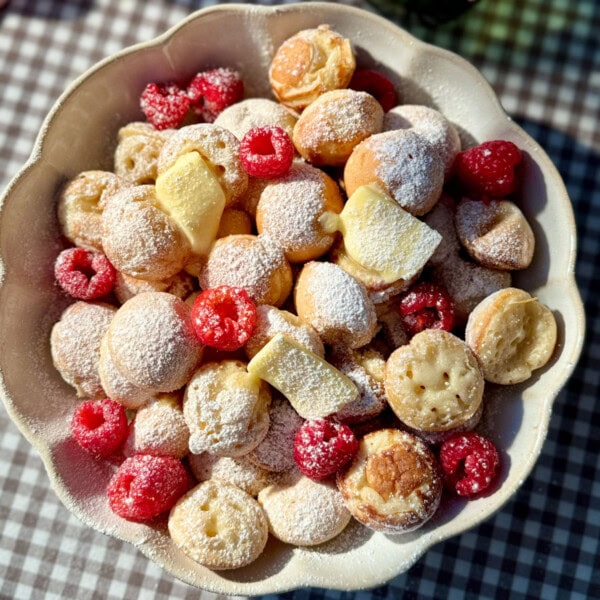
x=543 y=59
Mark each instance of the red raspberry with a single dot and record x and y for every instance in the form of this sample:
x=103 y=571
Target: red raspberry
x=322 y=447
x=488 y=170
x=84 y=274
x=145 y=486
x=470 y=463
x=267 y=152
x=165 y=106
x=99 y=426
x=224 y=317
x=376 y=84
x=211 y=92
x=426 y=306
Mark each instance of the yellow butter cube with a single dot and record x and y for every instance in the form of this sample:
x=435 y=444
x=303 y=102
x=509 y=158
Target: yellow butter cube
x=382 y=237
x=190 y=193
x=313 y=386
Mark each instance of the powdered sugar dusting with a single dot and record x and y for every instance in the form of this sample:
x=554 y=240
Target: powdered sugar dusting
x=383 y=237
x=159 y=429
x=289 y=210
x=138 y=238
x=276 y=451
x=225 y=410
x=152 y=343
x=341 y=309
x=429 y=123
x=468 y=284
x=304 y=512
x=75 y=345
x=371 y=400
x=244 y=261
x=441 y=218
x=410 y=168
x=240 y=118
x=496 y=233
x=217 y=146
x=116 y=385
x=80 y=207
x=238 y=471
x=270 y=321
x=334 y=123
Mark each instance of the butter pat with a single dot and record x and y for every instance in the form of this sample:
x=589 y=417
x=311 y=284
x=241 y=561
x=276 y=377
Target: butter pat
x=382 y=237
x=190 y=193
x=313 y=386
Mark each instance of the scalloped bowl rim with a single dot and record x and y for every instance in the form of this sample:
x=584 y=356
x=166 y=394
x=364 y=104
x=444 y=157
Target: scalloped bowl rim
x=146 y=541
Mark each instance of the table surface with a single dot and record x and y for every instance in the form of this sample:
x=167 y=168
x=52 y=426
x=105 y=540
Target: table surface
x=543 y=59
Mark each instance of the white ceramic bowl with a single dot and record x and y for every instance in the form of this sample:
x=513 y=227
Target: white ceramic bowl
x=79 y=134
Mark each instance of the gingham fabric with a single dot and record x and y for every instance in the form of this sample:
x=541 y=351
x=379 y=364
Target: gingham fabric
x=543 y=59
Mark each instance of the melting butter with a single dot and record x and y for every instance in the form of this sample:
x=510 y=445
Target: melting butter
x=190 y=193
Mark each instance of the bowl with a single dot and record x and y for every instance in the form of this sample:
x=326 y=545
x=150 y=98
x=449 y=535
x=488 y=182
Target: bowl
x=79 y=134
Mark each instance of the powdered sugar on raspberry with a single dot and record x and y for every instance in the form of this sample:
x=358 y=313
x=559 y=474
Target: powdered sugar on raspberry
x=145 y=486
x=165 y=106
x=470 y=462
x=322 y=447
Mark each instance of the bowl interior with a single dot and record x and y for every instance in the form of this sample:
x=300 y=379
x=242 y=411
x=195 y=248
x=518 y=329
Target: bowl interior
x=80 y=134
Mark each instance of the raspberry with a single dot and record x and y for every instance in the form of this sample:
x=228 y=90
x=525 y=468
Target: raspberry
x=488 y=170
x=99 y=426
x=267 y=152
x=145 y=486
x=322 y=447
x=426 y=306
x=165 y=106
x=376 y=84
x=84 y=274
x=224 y=317
x=470 y=463
x=211 y=92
